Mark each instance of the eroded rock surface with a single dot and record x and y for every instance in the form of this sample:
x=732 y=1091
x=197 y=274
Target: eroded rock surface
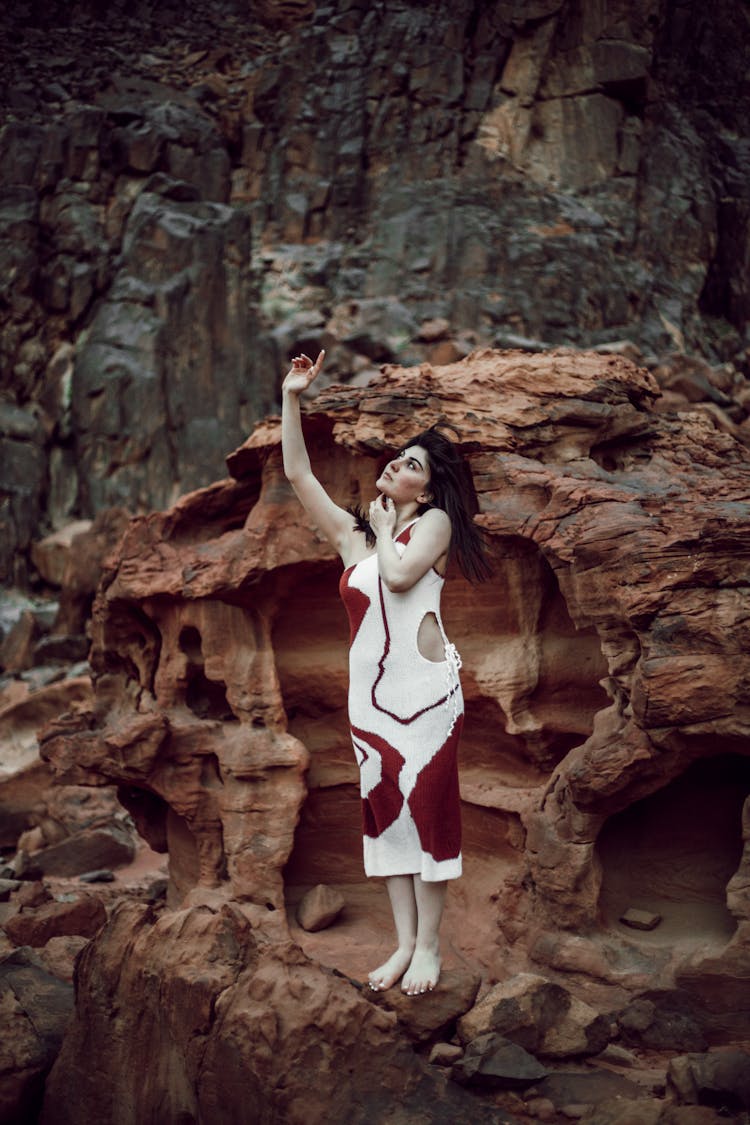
x=605 y=672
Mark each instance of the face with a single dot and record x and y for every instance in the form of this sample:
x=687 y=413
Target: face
x=407 y=477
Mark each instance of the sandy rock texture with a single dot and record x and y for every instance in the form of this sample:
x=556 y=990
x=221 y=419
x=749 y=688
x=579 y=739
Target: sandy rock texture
x=604 y=765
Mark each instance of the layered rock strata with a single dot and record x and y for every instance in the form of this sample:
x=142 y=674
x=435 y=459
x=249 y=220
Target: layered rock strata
x=605 y=669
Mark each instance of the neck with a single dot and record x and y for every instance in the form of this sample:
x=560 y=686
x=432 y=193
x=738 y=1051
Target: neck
x=404 y=516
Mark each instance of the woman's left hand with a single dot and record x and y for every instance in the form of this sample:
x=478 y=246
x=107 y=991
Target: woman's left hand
x=382 y=515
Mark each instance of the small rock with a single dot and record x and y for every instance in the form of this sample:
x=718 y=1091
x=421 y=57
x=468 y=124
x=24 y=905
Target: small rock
x=617 y=1056
x=319 y=907
x=16 y=648
x=34 y=926
x=586 y=1088
x=6 y=886
x=31 y=894
x=103 y=875
x=620 y=347
x=445 y=1054
x=432 y=330
x=541 y=1109
x=662 y=1020
x=445 y=352
x=110 y=843
x=68 y=648
x=720 y=1079
x=625 y=1111
x=640 y=919
x=493 y=1062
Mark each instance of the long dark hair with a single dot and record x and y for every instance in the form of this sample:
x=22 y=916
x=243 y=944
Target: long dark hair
x=452 y=490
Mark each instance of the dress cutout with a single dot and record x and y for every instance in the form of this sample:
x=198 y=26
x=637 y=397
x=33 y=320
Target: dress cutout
x=405 y=715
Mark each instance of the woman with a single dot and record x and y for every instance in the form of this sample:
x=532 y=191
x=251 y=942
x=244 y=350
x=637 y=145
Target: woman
x=405 y=702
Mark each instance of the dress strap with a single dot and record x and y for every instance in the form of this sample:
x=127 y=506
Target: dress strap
x=408 y=527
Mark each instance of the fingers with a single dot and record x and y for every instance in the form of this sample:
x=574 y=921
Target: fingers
x=305 y=361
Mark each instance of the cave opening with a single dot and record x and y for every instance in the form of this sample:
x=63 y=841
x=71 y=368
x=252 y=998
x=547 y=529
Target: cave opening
x=532 y=679
x=206 y=698
x=672 y=854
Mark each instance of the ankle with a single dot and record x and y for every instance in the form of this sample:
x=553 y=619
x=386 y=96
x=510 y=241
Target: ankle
x=407 y=947
x=428 y=945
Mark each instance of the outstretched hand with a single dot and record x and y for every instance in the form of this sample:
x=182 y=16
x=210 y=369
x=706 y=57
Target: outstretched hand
x=301 y=374
x=382 y=515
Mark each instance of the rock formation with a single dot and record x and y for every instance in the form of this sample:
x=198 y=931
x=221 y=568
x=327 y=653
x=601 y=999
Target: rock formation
x=604 y=764
x=188 y=194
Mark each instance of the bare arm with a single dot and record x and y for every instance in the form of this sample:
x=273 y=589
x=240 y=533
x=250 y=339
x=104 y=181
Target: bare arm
x=334 y=522
x=429 y=544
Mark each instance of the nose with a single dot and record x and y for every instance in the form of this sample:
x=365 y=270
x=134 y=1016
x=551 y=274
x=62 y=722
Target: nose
x=394 y=466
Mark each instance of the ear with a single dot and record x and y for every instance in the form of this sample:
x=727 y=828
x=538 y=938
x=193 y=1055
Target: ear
x=424 y=497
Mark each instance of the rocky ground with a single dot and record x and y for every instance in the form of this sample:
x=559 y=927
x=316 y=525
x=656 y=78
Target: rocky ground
x=188 y=194
x=217 y=712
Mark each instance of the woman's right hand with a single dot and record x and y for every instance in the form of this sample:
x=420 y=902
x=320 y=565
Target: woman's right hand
x=301 y=374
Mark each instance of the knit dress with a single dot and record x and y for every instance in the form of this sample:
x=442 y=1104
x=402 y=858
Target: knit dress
x=405 y=714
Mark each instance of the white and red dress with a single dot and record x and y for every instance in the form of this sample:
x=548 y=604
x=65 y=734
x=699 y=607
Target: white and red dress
x=405 y=714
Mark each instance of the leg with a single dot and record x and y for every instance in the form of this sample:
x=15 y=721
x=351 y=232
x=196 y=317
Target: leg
x=424 y=967
x=404 y=907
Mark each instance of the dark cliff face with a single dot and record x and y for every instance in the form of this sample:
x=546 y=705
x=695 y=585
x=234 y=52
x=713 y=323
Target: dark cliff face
x=189 y=193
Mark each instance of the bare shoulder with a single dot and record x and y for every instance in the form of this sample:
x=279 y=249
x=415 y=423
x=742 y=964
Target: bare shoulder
x=434 y=517
x=435 y=523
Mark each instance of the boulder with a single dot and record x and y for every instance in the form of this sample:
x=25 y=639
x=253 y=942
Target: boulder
x=719 y=1079
x=79 y=915
x=494 y=1063
x=540 y=1016
x=663 y=1021
x=36 y=1007
x=432 y=1013
x=583 y=1088
x=319 y=907
x=50 y=555
x=109 y=845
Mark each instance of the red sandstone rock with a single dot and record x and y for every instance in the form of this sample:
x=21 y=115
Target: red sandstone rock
x=605 y=669
x=36 y=925
x=319 y=907
x=238 y=1006
x=35 y=1008
x=540 y=1016
x=430 y=1014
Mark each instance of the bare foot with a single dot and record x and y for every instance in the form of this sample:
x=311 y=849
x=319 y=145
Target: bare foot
x=389 y=972
x=423 y=972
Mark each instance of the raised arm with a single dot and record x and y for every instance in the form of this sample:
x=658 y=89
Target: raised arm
x=334 y=522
